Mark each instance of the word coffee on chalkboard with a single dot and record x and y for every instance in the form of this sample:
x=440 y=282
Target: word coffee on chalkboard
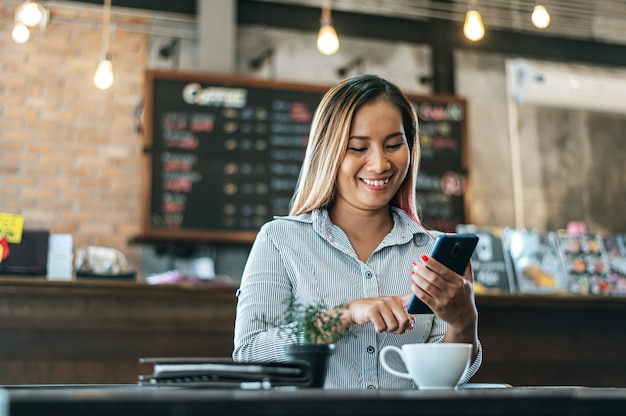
x=224 y=155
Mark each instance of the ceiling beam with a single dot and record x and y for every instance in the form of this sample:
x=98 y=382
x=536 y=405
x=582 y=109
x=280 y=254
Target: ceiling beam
x=442 y=35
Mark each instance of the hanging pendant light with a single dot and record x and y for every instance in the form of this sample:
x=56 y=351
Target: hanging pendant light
x=103 y=78
x=20 y=33
x=473 y=27
x=327 y=40
x=29 y=14
x=540 y=16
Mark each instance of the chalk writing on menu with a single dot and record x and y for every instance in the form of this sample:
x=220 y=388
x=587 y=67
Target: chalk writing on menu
x=226 y=154
x=441 y=179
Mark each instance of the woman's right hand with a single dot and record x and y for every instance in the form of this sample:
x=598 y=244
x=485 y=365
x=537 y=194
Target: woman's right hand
x=387 y=313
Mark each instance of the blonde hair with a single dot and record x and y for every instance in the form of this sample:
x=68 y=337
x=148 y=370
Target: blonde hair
x=328 y=141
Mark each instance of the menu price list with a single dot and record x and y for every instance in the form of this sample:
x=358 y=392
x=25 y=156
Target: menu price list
x=226 y=163
x=441 y=180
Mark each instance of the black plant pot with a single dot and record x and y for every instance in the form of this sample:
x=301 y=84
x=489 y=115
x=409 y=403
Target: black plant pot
x=317 y=355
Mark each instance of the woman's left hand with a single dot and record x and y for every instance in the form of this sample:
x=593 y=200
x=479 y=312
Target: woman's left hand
x=450 y=296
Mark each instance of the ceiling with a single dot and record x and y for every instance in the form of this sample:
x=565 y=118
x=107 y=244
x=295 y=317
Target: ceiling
x=599 y=20
x=593 y=20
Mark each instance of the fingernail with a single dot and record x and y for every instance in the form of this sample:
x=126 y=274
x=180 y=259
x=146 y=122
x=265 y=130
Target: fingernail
x=424 y=258
x=411 y=324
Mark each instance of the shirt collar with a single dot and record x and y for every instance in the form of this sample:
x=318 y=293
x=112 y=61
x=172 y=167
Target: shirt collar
x=404 y=228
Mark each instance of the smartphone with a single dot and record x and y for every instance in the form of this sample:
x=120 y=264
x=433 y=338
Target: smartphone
x=453 y=251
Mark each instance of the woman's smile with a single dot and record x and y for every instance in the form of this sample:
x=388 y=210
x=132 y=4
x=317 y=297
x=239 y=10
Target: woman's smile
x=376 y=184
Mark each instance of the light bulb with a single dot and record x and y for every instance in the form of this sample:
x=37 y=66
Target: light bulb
x=540 y=17
x=327 y=40
x=20 y=33
x=473 y=27
x=103 y=78
x=29 y=13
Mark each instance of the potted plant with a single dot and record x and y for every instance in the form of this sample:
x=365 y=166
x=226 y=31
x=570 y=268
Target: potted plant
x=312 y=331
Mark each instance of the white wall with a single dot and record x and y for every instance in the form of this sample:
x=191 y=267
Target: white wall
x=296 y=58
x=573 y=161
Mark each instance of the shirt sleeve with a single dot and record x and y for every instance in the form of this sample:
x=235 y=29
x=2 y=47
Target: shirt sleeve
x=474 y=366
x=262 y=297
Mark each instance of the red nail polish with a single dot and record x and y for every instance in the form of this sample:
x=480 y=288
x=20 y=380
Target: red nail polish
x=414 y=264
x=424 y=258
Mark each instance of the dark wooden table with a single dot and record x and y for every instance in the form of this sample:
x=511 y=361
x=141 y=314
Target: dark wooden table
x=149 y=401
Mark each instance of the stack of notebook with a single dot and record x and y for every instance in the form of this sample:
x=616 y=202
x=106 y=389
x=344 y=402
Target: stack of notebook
x=224 y=373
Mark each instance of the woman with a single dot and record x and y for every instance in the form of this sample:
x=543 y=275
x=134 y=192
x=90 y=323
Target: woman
x=351 y=239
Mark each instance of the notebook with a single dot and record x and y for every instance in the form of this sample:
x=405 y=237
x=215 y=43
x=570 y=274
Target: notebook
x=224 y=373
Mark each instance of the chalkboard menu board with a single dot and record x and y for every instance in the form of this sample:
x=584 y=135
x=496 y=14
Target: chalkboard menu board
x=441 y=182
x=223 y=155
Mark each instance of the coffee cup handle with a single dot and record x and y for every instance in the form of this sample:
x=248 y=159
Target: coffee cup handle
x=383 y=362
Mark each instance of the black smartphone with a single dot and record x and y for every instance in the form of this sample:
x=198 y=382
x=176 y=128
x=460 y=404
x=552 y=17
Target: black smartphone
x=453 y=251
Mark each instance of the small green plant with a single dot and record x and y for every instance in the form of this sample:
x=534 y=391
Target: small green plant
x=312 y=323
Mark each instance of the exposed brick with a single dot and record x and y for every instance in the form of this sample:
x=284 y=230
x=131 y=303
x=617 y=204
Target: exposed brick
x=18 y=181
x=36 y=218
x=21 y=159
x=41 y=148
x=96 y=229
x=70 y=160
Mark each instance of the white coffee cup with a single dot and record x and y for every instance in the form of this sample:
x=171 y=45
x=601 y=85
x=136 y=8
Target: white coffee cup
x=431 y=366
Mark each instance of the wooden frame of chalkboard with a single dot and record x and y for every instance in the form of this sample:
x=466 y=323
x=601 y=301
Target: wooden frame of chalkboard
x=223 y=154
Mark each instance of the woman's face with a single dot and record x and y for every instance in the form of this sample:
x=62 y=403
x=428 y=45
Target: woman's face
x=377 y=158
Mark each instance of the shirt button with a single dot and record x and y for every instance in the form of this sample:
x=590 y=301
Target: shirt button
x=371 y=386
x=371 y=349
x=369 y=274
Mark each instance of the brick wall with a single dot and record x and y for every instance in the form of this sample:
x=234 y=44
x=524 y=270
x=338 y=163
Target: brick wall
x=70 y=160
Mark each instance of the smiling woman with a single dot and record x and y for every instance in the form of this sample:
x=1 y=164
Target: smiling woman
x=349 y=242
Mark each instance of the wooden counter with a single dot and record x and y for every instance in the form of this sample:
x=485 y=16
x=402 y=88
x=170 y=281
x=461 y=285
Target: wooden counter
x=94 y=332
x=553 y=340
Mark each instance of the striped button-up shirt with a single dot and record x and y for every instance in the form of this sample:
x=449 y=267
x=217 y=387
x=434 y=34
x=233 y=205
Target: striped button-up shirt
x=311 y=258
